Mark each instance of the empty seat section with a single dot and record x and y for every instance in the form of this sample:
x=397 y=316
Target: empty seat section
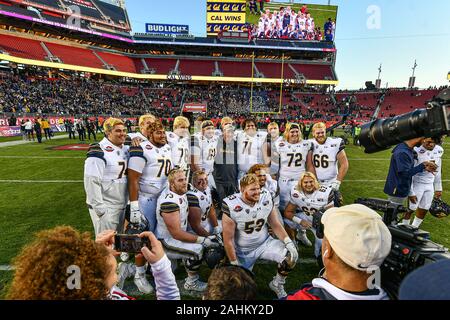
x=314 y=72
x=75 y=55
x=196 y=67
x=235 y=69
x=22 y=47
x=162 y=66
x=121 y=63
x=274 y=70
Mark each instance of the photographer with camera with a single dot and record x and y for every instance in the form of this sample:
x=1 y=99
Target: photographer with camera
x=402 y=170
x=58 y=253
x=355 y=243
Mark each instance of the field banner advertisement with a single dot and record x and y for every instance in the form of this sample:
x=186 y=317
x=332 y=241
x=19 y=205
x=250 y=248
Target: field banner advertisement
x=10 y=131
x=195 y=107
x=229 y=15
x=157 y=28
x=291 y=21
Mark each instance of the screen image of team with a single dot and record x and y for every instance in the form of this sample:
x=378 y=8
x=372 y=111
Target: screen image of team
x=250 y=193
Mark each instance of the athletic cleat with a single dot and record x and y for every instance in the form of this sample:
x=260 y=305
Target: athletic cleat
x=278 y=288
x=126 y=270
x=142 y=283
x=197 y=285
x=303 y=239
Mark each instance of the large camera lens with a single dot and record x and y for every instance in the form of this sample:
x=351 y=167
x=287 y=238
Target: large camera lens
x=383 y=133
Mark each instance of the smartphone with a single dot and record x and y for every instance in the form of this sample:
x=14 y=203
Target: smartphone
x=130 y=243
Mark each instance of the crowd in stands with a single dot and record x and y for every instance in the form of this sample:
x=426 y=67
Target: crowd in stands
x=81 y=97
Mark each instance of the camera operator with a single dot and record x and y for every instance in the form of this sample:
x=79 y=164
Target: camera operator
x=356 y=241
x=401 y=170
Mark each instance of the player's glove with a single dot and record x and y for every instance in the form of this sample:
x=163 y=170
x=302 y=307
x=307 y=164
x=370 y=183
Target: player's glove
x=336 y=185
x=292 y=249
x=136 y=217
x=208 y=242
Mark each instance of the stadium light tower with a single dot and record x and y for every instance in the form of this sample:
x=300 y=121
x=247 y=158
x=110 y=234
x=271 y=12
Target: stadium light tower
x=412 y=80
x=378 y=82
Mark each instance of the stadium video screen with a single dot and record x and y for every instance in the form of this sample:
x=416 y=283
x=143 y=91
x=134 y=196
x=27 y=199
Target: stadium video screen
x=291 y=21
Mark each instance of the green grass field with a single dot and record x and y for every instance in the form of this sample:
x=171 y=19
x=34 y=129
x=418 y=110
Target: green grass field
x=42 y=188
x=320 y=13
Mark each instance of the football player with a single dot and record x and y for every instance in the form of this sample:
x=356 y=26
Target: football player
x=173 y=210
x=226 y=121
x=245 y=232
x=274 y=133
x=425 y=185
x=294 y=158
x=327 y=154
x=144 y=122
x=105 y=179
x=204 y=150
x=202 y=214
x=309 y=197
x=149 y=166
x=252 y=147
x=179 y=141
x=266 y=182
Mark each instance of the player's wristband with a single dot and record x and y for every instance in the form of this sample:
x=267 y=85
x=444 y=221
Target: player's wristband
x=287 y=240
x=297 y=220
x=200 y=240
x=134 y=205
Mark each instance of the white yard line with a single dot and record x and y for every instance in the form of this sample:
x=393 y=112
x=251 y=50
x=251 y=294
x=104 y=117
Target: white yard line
x=6 y=268
x=19 y=142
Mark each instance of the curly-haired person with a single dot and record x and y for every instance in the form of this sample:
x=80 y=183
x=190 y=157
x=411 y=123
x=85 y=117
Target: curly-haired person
x=44 y=267
x=64 y=264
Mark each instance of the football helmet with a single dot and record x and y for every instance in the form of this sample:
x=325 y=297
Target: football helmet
x=439 y=208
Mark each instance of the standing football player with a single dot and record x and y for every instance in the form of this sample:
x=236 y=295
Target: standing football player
x=294 y=157
x=252 y=147
x=149 y=166
x=144 y=122
x=105 y=179
x=309 y=197
x=327 y=154
x=425 y=185
x=204 y=150
x=246 y=236
x=173 y=210
x=202 y=214
x=273 y=131
x=179 y=141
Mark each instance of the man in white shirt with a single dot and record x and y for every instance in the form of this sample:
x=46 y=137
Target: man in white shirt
x=105 y=179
